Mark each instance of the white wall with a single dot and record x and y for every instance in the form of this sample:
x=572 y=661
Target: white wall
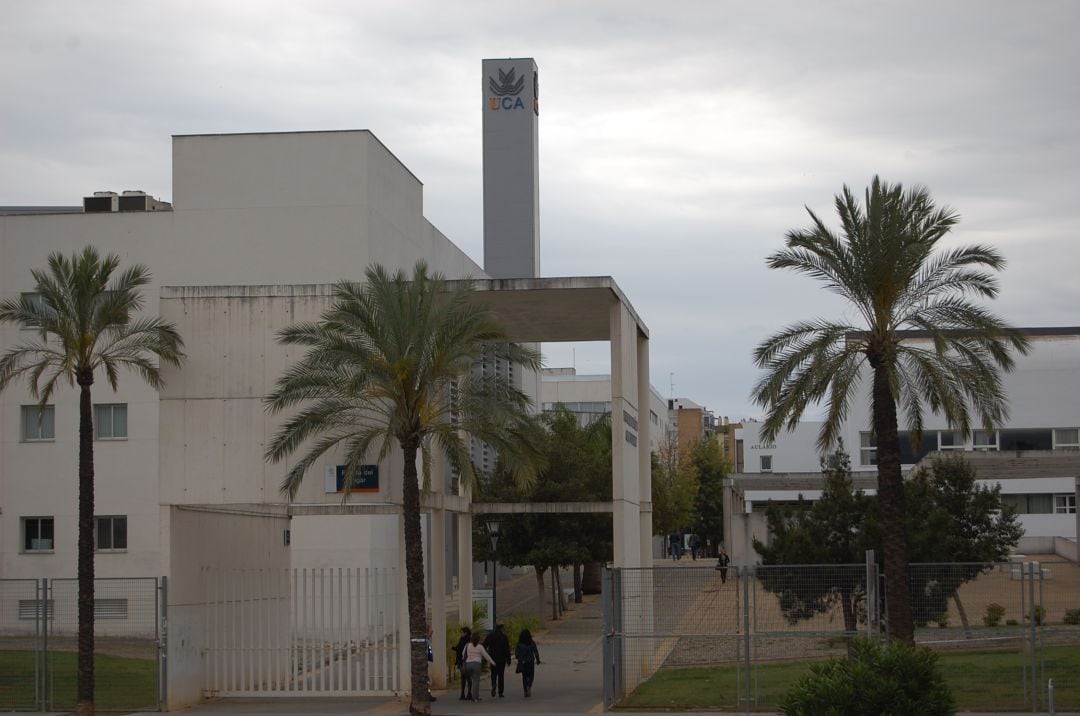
x=291 y=208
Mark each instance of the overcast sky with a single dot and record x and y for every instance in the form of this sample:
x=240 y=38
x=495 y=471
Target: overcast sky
x=678 y=141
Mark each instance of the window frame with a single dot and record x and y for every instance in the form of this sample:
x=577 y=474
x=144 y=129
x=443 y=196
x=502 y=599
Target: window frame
x=765 y=463
x=27 y=541
x=1065 y=503
x=957 y=442
x=35 y=415
x=867 y=449
x=112 y=422
x=1062 y=445
x=988 y=446
x=114 y=520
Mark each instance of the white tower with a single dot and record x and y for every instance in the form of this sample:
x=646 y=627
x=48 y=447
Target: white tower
x=511 y=169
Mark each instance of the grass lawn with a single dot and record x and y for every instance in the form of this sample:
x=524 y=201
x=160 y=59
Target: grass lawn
x=980 y=680
x=122 y=684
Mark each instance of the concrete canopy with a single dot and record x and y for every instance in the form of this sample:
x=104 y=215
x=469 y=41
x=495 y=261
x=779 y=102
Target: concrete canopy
x=555 y=310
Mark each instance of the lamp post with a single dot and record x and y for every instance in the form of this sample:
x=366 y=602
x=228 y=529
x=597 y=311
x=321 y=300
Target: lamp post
x=493 y=533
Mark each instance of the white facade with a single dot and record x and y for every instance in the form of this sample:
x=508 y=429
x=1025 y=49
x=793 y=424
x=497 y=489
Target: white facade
x=1044 y=417
x=292 y=208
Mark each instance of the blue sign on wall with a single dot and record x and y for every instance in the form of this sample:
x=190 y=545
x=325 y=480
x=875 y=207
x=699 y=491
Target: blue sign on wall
x=366 y=481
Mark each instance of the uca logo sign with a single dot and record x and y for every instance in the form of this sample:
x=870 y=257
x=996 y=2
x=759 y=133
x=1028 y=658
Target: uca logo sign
x=506 y=91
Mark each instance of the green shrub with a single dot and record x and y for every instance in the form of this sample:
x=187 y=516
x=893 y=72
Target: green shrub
x=1072 y=616
x=994 y=614
x=878 y=681
x=1040 y=615
x=942 y=620
x=1011 y=622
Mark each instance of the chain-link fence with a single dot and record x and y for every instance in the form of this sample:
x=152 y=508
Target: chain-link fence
x=761 y=628
x=39 y=644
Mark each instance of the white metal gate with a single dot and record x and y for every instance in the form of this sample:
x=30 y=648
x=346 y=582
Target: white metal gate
x=282 y=632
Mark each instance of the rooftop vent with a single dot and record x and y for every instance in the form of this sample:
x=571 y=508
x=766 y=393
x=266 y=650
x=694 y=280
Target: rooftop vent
x=101 y=201
x=130 y=200
x=135 y=200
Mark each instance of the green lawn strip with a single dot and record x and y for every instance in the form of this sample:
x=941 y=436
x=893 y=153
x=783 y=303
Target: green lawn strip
x=122 y=683
x=979 y=680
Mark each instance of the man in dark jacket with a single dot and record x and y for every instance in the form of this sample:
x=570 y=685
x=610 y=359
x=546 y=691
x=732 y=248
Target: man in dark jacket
x=498 y=646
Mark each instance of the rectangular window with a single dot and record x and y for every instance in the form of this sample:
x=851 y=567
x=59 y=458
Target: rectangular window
x=35 y=298
x=37 y=534
x=910 y=453
x=38 y=423
x=1030 y=504
x=1067 y=439
x=984 y=440
x=1065 y=504
x=110 y=609
x=110 y=421
x=766 y=463
x=949 y=440
x=867 y=449
x=30 y=609
x=1026 y=440
x=110 y=534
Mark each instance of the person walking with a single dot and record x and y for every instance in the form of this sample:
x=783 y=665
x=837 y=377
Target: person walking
x=459 y=661
x=475 y=655
x=498 y=646
x=695 y=547
x=722 y=565
x=528 y=656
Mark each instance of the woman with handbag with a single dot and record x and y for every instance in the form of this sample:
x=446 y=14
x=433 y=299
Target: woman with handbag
x=528 y=656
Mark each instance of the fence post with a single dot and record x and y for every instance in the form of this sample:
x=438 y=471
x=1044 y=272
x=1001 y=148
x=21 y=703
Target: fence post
x=1034 y=655
x=744 y=574
x=871 y=594
x=45 y=685
x=41 y=624
x=163 y=645
x=608 y=659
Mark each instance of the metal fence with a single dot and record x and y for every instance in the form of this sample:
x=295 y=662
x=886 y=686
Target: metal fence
x=301 y=632
x=761 y=627
x=39 y=644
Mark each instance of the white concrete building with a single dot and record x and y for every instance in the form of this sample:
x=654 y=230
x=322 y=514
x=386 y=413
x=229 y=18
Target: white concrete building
x=589 y=397
x=1034 y=456
x=258 y=228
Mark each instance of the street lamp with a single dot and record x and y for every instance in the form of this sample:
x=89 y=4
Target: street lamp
x=493 y=533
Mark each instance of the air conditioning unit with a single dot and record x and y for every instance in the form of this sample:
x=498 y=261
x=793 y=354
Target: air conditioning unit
x=140 y=201
x=101 y=202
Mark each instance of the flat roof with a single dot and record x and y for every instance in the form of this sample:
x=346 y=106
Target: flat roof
x=34 y=210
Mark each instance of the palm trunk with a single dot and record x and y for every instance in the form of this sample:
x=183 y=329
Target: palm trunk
x=893 y=512
x=84 y=705
x=414 y=578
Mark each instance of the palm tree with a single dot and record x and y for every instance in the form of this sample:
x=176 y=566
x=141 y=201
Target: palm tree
x=393 y=360
x=926 y=343
x=85 y=325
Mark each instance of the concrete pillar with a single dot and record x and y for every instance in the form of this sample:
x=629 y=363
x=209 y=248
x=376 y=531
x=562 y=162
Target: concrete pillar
x=625 y=424
x=644 y=394
x=464 y=537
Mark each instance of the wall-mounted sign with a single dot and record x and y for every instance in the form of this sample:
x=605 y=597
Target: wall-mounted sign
x=366 y=481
